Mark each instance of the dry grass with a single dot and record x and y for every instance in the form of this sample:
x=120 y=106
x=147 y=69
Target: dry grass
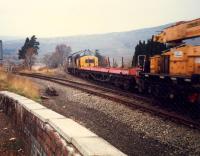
x=43 y=70
x=19 y=85
x=46 y=71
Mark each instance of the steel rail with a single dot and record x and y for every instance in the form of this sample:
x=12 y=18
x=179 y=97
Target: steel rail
x=136 y=102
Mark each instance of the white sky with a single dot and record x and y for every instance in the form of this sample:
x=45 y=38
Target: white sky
x=48 y=18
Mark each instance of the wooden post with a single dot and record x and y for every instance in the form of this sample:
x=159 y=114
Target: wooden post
x=122 y=62
x=108 y=61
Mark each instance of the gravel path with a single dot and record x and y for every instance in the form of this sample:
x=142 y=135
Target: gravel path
x=132 y=131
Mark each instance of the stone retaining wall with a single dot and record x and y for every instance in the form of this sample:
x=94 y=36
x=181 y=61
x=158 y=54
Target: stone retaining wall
x=47 y=133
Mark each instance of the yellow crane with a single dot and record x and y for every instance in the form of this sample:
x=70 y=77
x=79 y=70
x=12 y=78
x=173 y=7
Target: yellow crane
x=180 y=31
x=181 y=59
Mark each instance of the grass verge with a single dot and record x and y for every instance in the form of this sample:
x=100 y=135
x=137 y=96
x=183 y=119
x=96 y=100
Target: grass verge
x=43 y=70
x=19 y=85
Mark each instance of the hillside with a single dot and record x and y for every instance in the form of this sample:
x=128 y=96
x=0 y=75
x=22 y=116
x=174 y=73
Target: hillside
x=116 y=44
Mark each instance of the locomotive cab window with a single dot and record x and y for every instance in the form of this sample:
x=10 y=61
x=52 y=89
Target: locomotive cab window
x=89 y=61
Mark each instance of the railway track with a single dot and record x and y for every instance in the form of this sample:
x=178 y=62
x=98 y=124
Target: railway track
x=132 y=100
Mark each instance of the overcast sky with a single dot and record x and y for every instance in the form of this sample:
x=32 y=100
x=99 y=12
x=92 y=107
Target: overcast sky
x=49 y=18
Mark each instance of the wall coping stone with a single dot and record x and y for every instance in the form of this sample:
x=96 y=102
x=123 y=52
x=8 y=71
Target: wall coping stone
x=70 y=129
x=86 y=142
x=91 y=146
x=46 y=114
x=33 y=106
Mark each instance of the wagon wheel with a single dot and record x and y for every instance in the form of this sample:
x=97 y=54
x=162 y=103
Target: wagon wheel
x=116 y=83
x=126 y=85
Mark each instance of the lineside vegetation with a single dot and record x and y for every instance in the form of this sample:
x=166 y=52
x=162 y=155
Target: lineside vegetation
x=19 y=85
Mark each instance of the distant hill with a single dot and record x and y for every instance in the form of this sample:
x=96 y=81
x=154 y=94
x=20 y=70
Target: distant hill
x=116 y=44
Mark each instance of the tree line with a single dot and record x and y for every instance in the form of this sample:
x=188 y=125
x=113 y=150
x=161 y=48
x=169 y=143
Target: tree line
x=29 y=50
x=149 y=48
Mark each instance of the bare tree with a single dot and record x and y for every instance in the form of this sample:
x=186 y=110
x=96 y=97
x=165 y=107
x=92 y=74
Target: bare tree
x=55 y=60
x=46 y=59
x=58 y=57
x=62 y=51
x=30 y=57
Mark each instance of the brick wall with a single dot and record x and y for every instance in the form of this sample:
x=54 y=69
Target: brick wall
x=47 y=133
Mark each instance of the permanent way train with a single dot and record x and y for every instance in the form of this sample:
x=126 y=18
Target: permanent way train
x=175 y=74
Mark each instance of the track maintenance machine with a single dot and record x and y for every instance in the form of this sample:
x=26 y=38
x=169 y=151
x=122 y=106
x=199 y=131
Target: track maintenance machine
x=176 y=72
